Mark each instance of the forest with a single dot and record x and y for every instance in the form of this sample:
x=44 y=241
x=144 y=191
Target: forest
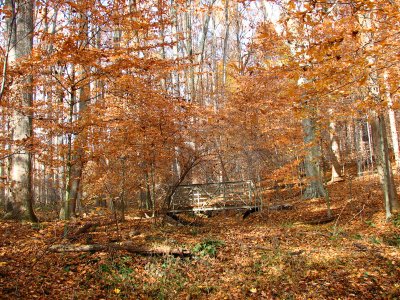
x=199 y=149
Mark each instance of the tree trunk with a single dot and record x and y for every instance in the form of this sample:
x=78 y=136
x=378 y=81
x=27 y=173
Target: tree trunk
x=190 y=52
x=334 y=153
x=21 y=168
x=226 y=39
x=205 y=31
x=65 y=212
x=127 y=246
x=215 y=78
x=380 y=141
x=315 y=187
x=392 y=122
x=79 y=99
x=383 y=164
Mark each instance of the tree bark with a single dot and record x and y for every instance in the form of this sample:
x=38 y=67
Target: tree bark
x=315 y=188
x=312 y=162
x=226 y=40
x=334 y=153
x=21 y=161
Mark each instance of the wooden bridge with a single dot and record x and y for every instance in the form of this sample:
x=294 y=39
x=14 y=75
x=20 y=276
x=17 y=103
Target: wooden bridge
x=216 y=196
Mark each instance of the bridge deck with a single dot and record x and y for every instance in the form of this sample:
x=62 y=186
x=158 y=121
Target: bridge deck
x=198 y=209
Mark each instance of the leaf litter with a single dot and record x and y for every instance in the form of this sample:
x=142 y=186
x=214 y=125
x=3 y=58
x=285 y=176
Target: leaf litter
x=270 y=255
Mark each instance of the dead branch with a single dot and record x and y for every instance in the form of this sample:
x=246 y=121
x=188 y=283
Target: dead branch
x=127 y=246
x=281 y=207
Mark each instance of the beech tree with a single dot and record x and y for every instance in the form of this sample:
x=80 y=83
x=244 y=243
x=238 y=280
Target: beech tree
x=80 y=96
x=337 y=31
x=20 y=25
x=117 y=101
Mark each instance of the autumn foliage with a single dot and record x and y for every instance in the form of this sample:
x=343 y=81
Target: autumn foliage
x=108 y=107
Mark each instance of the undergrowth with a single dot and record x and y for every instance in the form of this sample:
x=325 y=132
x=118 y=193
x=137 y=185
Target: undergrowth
x=208 y=247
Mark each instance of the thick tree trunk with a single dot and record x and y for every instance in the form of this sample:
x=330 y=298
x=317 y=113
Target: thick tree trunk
x=21 y=169
x=334 y=153
x=383 y=165
x=336 y=171
x=312 y=162
x=315 y=188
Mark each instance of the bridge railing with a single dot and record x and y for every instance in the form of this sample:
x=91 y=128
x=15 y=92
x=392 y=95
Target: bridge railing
x=216 y=196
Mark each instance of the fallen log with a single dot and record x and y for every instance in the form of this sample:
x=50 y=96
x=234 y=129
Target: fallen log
x=127 y=246
x=76 y=248
x=281 y=207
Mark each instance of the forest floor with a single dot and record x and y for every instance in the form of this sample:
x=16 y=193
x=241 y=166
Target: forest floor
x=269 y=255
